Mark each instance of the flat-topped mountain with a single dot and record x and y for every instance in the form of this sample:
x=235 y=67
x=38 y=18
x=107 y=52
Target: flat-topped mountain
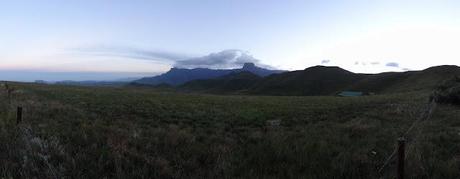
x=179 y=76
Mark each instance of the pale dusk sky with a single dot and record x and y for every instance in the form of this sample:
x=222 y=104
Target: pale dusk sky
x=112 y=39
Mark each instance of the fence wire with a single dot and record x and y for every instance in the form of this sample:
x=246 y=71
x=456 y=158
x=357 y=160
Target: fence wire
x=425 y=115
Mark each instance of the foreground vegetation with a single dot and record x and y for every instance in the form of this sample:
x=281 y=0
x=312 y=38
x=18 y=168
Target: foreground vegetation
x=78 y=132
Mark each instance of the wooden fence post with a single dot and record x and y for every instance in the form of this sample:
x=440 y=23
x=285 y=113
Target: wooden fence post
x=19 y=115
x=401 y=157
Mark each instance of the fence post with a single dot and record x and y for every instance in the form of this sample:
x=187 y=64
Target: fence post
x=401 y=157
x=19 y=115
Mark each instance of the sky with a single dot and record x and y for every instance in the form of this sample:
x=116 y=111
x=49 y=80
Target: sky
x=115 y=39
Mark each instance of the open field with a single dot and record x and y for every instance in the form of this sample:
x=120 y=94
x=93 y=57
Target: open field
x=79 y=132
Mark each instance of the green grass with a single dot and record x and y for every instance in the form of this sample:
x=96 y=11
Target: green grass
x=78 y=132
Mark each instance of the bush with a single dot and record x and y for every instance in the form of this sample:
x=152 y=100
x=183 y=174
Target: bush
x=448 y=92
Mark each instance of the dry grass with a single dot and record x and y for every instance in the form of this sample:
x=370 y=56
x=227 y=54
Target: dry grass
x=75 y=132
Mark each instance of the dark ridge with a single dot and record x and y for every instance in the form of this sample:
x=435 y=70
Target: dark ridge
x=236 y=82
x=317 y=80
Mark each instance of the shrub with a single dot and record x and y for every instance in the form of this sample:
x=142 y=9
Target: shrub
x=448 y=92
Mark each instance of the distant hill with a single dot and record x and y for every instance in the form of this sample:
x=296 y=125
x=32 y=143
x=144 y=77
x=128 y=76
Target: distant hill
x=178 y=76
x=321 y=80
x=318 y=80
x=89 y=83
x=235 y=82
x=113 y=83
x=426 y=79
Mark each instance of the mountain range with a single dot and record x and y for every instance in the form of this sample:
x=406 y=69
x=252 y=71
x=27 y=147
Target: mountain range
x=322 y=80
x=179 y=76
x=312 y=81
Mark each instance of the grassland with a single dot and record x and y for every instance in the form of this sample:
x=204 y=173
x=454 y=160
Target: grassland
x=79 y=132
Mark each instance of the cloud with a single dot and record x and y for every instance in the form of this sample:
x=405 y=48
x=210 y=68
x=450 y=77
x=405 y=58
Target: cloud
x=132 y=53
x=360 y=63
x=392 y=64
x=223 y=59
x=364 y=63
x=325 y=61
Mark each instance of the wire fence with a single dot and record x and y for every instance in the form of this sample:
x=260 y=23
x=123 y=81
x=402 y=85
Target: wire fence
x=424 y=115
